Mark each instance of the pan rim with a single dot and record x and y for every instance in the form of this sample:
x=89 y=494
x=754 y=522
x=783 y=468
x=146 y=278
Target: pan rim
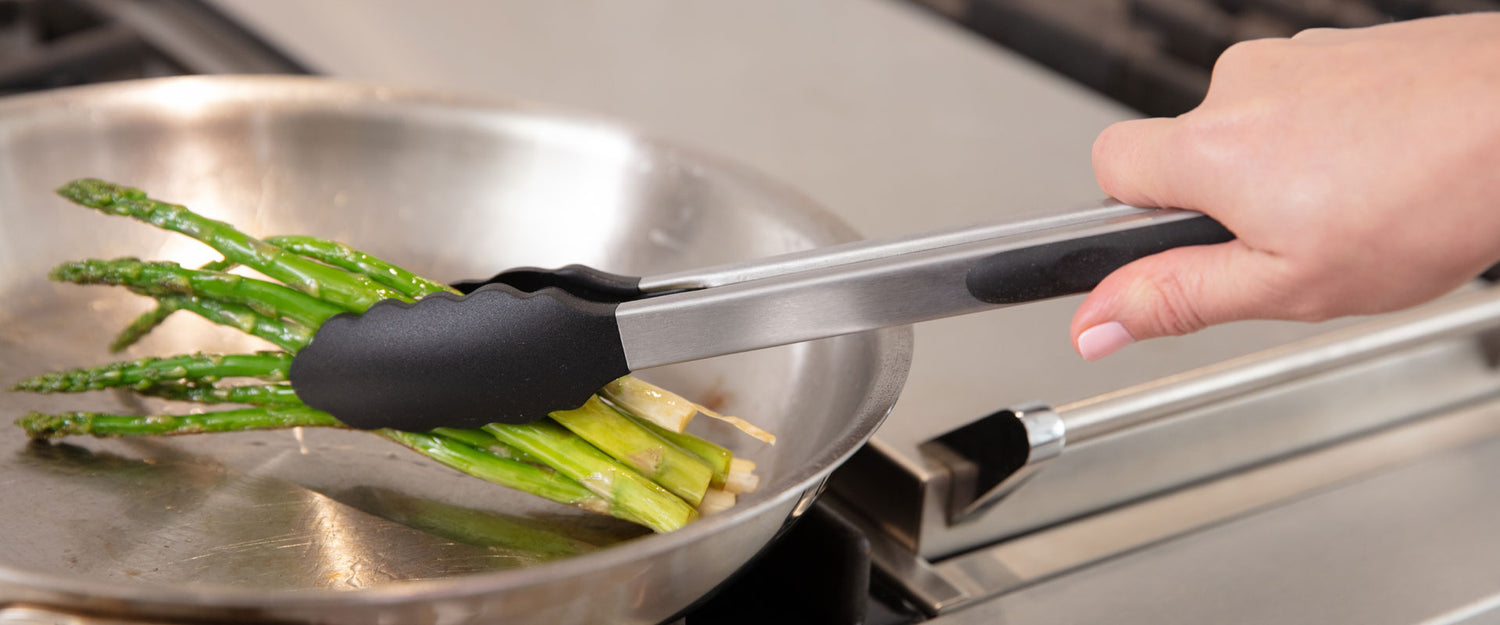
x=893 y=346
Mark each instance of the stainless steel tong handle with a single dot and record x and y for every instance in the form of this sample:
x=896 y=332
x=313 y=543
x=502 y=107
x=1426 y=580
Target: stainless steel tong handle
x=883 y=283
x=876 y=249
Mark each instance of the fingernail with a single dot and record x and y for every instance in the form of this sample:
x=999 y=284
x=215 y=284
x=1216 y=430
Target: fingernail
x=1102 y=340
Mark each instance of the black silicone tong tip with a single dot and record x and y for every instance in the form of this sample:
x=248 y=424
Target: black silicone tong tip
x=580 y=280
x=496 y=355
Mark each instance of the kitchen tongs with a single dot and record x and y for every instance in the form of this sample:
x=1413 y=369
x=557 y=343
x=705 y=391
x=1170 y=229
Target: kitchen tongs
x=529 y=341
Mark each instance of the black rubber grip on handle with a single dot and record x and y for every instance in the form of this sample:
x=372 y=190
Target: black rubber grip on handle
x=1077 y=265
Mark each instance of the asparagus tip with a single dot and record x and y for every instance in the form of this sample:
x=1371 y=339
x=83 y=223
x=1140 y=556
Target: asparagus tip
x=96 y=271
x=45 y=383
x=95 y=193
x=42 y=426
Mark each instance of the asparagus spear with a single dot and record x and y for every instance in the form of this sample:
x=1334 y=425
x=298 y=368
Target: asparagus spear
x=483 y=440
x=631 y=496
x=516 y=539
x=680 y=472
x=42 y=426
x=650 y=402
x=331 y=252
x=288 y=336
x=716 y=501
x=742 y=477
x=151 y=371
x=346 y=257
x=256 y=394
x=667 y=409
x=487 y=442
x=166 y=278
x=148 y=320
x=529 y=478
x=141 y=326
x=518 y=475
x=717 y=457
x=323 y=250
x=349 y=291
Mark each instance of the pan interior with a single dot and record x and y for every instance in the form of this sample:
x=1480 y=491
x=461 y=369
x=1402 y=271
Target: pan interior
x=450 y=190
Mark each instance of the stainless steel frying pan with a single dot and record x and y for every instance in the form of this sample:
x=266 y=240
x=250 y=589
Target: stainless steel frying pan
x=276 y=526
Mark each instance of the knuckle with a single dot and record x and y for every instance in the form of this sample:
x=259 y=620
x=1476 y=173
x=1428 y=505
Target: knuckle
x=1314 y=34
x=1246 y=63
x=1240 y=54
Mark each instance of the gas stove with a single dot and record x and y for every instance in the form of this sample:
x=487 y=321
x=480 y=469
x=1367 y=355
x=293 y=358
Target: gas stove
x=1220 y=486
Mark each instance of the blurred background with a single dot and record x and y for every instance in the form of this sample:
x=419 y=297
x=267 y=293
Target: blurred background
x=1151 y=55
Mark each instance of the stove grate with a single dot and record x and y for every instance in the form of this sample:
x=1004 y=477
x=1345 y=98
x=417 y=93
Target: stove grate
x=46 y=44
x=1156 y=55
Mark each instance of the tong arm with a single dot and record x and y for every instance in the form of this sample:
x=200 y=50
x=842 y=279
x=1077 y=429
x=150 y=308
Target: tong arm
x=873 y=249
x=1029 y=261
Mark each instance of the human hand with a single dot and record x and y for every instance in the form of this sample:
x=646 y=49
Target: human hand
x=1358 y=169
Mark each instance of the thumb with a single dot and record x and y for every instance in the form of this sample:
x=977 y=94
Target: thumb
x=1176 y=292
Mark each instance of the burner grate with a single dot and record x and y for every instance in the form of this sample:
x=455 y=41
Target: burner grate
x=46 y=44
x=1156 y=55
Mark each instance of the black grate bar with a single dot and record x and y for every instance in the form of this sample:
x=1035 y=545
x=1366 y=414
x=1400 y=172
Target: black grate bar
x=87 y=52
